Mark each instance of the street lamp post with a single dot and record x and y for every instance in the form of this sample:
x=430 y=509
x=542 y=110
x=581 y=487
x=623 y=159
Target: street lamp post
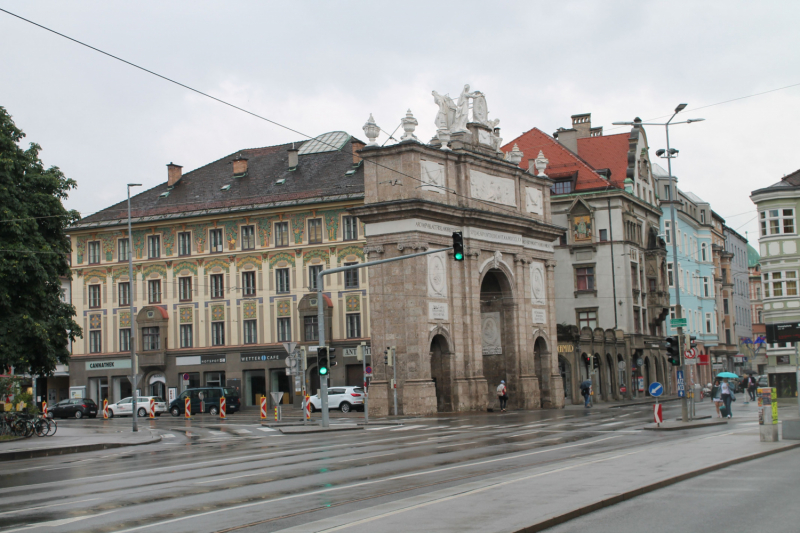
x=134 y=366
x=669 y=154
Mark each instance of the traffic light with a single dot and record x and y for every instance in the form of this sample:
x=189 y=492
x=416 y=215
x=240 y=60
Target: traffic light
x=692 y=344
x=458 y=246
x=388 y=355
x=673 y=351
x=587 y=360
x=332 y=356
x=322 y=360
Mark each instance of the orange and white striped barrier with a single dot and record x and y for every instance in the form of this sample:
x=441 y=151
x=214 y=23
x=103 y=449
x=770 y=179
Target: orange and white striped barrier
x=44 y=408
x=263 y=408
x=222 y=408
x=152 y=408
x=187 y=407
x=308 y=407
x=276 y=413
x=105 y=409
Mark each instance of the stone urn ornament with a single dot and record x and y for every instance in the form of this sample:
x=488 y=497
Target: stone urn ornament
x=409 y=125
x=444 y=138
x=541 y=163
x=371 y=130
x=515 y=155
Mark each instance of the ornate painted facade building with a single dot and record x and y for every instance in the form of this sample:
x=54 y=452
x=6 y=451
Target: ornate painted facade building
x=224 y=264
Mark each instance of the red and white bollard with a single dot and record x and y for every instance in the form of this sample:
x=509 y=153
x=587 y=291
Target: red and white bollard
x=187 y=411
x=263 y=408
x=658 y=416
x=105 y=409
x=152 y=408
x=222 y=408
x=44 y=409
x=308 y=407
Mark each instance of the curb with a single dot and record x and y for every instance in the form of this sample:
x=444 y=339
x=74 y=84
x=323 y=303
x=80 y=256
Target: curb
x=650 y=427
x=619 y=498
x=637 y=404
x=47 y=452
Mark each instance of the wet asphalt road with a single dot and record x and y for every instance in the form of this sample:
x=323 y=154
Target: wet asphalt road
x=239 y=476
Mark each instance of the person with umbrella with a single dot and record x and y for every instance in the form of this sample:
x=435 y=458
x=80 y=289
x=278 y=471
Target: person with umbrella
x=586 y=392
x=726 y=391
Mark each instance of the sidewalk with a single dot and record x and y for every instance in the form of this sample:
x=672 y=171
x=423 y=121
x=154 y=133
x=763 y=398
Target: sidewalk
x=535 y=498
x=74 y=440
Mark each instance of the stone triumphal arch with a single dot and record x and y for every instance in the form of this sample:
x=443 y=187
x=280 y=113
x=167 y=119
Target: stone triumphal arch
x=460 y=327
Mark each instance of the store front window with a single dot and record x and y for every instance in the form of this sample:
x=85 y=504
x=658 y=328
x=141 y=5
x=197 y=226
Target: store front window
x=215 y=379
x=255 y=386
x=189 y=380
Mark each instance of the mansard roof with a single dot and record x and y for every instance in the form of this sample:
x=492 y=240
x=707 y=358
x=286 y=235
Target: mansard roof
x=319 y=176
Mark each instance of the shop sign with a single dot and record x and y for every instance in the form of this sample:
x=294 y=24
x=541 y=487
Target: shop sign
x=255 y=358
x=212 y=359
x=352 y=352
x=108 y=365
x=190 y=360
x=782 y=359
x=565 y=348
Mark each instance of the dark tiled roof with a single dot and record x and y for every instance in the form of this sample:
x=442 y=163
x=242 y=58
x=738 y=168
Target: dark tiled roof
x=317 y=175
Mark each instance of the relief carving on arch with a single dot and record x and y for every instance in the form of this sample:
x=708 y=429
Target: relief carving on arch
x=437 y=275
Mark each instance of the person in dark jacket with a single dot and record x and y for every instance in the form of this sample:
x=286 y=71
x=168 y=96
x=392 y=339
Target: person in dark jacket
x=586 y=392
x=752 y=385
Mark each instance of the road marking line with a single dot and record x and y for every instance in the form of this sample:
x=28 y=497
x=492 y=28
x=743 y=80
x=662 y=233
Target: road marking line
x=370 y=457
x=242 y=431
x=612 y=424
x=456 y=444
x=53 y=523
x=46 y=506
x=406 y=428
x=234 y=477
x=267 y=429
x=378 y=429
x=168 y=436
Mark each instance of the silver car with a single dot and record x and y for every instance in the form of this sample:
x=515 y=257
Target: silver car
x=345 y=399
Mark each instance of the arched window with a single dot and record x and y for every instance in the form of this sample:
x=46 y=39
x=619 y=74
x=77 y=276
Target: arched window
x=703 y=251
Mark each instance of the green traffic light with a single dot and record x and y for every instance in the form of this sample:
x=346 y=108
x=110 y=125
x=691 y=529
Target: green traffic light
x=323 y=370
x=459 y=257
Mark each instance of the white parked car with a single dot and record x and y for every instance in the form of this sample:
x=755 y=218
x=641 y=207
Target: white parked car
x=343 y=398
x=124 y=407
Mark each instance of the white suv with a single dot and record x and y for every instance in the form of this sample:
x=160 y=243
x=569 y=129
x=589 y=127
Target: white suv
x=124 y=407
x=343 y=398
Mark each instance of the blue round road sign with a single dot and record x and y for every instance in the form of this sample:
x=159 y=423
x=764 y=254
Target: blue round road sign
x=656 y=389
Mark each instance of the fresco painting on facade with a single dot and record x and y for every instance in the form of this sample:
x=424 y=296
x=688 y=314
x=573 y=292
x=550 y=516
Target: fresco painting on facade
x=582 y=228
x=186 y=315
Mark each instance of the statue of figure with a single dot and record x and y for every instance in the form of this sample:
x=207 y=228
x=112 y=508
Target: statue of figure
x=447 y=111
x=480 y=112
x=462 y=111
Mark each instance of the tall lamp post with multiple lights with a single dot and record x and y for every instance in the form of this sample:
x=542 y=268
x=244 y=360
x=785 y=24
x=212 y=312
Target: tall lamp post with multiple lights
x=669 y=154
x=134 y=366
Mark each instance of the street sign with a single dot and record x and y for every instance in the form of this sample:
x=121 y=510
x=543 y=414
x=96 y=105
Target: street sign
x=678 y=322
x=656 y=389
x=368 y=370
x=658 y=415
x=276 y=397
x=289 y=347
x=621 y=365
x=186 y=377
x=690 y=357
x=289 y=361
x=681 y=392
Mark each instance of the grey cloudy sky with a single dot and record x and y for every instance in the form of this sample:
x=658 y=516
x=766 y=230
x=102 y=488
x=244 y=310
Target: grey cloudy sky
x=318 y=67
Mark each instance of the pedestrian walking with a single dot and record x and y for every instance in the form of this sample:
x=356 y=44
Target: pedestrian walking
x=502 y=395
x=715 y=397
x=586 y=392
x=752 y=385
x=726 y=393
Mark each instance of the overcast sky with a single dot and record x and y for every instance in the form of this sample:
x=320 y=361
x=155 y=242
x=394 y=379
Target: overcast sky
x=323 y=66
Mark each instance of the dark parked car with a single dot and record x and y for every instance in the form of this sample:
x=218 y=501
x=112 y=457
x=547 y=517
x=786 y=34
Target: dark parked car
x=206 y=400
x=77 y=407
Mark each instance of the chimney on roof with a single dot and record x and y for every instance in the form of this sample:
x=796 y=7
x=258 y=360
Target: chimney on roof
x=240 y=166
x=357 y=145
x=582 y=124
x=568 y=139
x=174 y=174
x=293 y=157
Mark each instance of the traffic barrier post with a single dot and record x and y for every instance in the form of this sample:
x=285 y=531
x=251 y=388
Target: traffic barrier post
x=276 y=413
x=263 y=408
x=222 y=408
x=44 y=408
x=187 y=403
x=152 y=408
x=308 y=407
x=105 y=409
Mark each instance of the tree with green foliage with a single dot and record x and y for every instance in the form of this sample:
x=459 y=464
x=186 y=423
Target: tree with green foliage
x=36 y=326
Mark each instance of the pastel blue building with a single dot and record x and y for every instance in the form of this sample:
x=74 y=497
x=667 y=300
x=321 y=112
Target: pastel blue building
x=694 y=268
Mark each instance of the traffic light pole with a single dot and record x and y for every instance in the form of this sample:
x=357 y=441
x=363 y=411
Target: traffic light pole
x=323 y=379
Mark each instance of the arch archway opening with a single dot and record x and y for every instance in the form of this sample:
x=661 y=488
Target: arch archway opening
x=497 y=333
x=441 y=373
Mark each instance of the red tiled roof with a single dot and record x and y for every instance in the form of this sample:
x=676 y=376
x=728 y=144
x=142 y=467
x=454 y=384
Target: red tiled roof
x=607 y=151
x=562 y=161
